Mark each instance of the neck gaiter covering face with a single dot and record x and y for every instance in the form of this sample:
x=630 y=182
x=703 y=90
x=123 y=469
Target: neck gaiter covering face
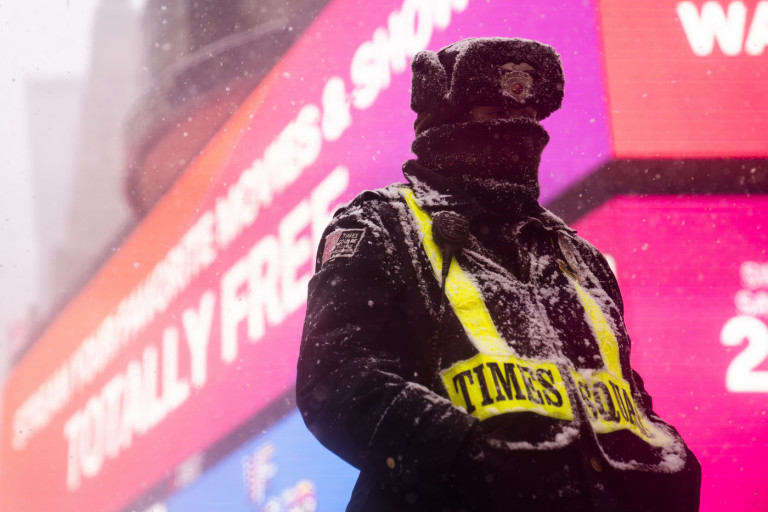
x=495 y=161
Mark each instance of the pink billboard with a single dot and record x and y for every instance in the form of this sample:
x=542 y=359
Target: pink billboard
x=693 y=272
x=686 y=78
x=193 y=326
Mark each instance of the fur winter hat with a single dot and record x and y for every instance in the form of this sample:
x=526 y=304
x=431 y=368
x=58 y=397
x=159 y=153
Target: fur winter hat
x=496 y=71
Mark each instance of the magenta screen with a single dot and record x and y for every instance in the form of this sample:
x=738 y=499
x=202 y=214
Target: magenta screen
x=693 y=272
x=235 y=238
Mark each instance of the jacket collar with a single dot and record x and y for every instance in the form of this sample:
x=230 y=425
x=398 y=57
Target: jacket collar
x=434 y=192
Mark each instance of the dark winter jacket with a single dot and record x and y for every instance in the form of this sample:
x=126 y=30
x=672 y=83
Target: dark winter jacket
x=377 y=324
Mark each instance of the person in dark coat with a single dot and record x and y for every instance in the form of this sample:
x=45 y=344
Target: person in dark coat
x=463 y=347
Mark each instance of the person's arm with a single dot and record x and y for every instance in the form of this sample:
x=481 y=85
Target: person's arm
x=352 y=387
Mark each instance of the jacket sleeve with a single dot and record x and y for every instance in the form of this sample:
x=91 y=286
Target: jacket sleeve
x=353 y=389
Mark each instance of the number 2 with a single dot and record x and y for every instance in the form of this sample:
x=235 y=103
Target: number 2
x=741 y=376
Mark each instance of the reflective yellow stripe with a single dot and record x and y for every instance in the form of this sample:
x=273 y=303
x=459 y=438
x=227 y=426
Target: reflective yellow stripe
x=606 y=339
x=488 y=385
x=463 y=295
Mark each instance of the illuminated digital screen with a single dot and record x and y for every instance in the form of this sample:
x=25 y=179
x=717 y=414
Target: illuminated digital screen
x=205 y=300
x=199 y=313
x=686 y=78
x=693 y=272
x=282 y=470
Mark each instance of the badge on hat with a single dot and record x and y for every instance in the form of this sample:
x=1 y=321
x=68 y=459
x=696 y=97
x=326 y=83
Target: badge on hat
x=516 y=82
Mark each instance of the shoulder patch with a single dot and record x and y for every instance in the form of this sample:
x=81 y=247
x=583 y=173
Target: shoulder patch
x=342 y=243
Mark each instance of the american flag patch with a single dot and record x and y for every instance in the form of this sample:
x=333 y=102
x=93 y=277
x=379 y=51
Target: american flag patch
x=342 y=243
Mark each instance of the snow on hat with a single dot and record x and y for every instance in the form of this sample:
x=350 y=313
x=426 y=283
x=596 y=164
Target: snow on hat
x=497 y=71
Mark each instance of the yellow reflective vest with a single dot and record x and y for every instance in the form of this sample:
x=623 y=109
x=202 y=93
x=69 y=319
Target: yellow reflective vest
x=498 y=381
x=532 y=350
